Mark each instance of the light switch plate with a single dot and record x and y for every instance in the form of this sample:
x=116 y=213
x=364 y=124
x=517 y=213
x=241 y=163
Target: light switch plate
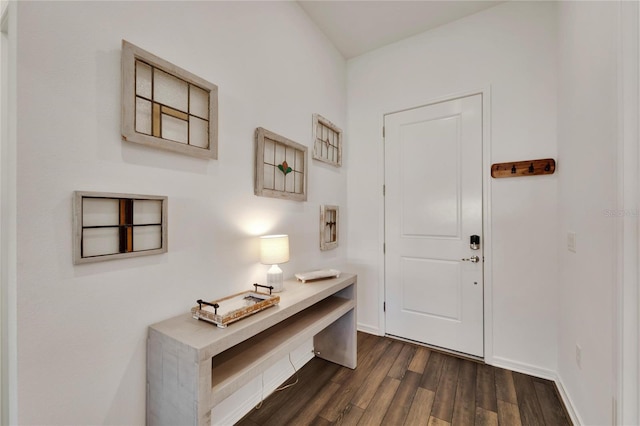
x=571 y=241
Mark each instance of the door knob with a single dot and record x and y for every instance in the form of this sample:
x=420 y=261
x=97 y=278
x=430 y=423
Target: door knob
x=472 y=259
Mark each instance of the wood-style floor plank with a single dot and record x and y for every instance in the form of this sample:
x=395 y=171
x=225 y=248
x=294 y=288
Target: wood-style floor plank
x=445 y=394
x=402 y=400
x=505 y=391
x=530 y=410
x=310 y=380
x=553 y=412
x=309 y=385
x=486 y=388
x=399 y=383
x=464 y=410
x=319 y=421
x=377 y=345
x=432 y=371
x=365 y=393
x=434 y=421
x=420 y=407
x=307 y=415
x=486 y=417
x=401 y=363
x=508 y=414
x=366 y=343
x=351 y=416
x=419 y=361
x=353 y=380
x=380 y=403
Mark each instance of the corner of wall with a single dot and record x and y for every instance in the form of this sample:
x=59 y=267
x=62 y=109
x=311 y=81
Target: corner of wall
x=567 y=401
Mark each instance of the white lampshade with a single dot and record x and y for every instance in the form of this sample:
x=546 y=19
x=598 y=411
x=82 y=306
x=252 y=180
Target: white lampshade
x=274 y=249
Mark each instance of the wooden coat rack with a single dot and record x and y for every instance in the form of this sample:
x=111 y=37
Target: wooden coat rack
x=545 y=166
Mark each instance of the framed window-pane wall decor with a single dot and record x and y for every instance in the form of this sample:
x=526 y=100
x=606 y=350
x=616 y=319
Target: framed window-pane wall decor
x=112 y=226
x=329 y=227
x=281 y=167
x=327 y=141
x=167 y=107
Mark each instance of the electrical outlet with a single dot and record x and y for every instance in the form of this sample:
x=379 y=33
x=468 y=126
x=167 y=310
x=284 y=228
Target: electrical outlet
x=571 y=241
x=579 y=356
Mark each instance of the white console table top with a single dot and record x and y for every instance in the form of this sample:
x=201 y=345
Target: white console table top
x=210 y=340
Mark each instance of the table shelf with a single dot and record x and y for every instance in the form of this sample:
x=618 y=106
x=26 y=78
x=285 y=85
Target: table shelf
x=238 y=365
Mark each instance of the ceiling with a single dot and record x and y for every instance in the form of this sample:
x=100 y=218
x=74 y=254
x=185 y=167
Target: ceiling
x=356 y=27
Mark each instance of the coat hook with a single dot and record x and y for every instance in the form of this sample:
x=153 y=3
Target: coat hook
x=547 y=167
x=513 y=169
x=531 y=169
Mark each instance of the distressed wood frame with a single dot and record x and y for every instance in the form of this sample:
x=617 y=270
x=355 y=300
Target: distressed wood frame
x=260 y=189
x=131 y=53
x=79 y=196
x=326 y=134
x=325 y=226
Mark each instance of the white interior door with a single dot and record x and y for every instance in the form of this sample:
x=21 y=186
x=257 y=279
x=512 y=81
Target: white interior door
x=433 y=205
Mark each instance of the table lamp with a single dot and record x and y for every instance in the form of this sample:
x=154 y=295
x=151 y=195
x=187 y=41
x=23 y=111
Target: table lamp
x=274 y=249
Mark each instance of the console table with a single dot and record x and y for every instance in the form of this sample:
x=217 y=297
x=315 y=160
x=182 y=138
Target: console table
x=193 y=365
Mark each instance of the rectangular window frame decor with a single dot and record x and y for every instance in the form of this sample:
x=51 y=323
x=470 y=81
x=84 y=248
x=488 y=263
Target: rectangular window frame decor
x=281 y=167
x=329 y=227
x=184 y=120
x=327 y=141
x=117 y=221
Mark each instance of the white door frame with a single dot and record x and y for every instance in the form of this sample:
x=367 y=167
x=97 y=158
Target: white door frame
x=626 y=321
x=486 y=215
x=8 y=216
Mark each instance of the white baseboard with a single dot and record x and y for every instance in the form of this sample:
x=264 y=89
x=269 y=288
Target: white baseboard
x=369 y=329
x=524 y=368
x=543 y=373
x=236 y=406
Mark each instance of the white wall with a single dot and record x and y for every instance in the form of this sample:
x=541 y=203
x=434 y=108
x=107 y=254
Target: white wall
x=587 y=142
x=82 y=329
x=512 y=49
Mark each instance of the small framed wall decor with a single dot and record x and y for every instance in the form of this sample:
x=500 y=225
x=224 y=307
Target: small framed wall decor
x=329 y=226
x=327 y=141
x=281 y=167
x=113 y=226
x=167 y=107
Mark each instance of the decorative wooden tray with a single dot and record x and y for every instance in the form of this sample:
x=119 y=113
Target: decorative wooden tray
x=223 y=312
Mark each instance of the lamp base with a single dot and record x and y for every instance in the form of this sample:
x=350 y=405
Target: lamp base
x=275 y=278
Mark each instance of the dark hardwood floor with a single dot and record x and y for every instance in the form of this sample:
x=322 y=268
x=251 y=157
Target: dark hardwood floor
x=398 y=383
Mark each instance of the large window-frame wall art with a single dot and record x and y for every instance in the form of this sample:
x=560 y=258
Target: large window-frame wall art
x=281 y=167
x=110 y=226
x=167 y=107
x=327 y=141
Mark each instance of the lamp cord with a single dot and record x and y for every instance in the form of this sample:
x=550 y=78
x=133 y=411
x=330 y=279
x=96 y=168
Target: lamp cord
x=281 y=388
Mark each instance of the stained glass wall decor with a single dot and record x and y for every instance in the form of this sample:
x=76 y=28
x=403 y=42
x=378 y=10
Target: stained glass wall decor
x=327 y=141
x=329 y=223
x=167 y=107
x=112 y=226
x=281 y=167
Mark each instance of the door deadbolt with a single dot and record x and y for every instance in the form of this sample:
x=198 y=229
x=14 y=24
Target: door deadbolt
x=474 y=242
x=472 y=259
